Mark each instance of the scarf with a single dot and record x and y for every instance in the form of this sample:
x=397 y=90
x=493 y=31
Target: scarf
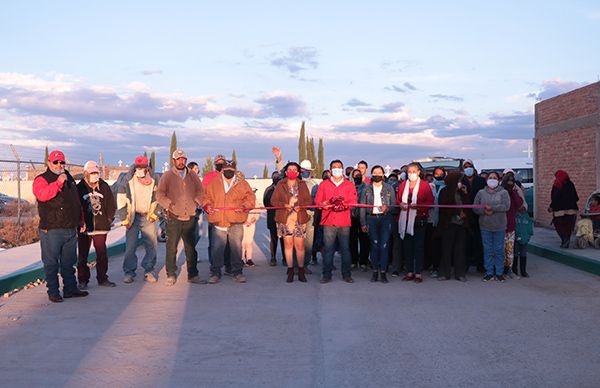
x=561 y=177
x=406 y=223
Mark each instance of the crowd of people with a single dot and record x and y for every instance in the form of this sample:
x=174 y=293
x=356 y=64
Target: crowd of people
x=406 y=223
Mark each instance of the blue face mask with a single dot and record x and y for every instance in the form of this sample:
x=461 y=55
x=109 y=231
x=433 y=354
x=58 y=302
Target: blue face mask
x=337 y=172
x=469 y=171
x=439 y=182
x=305 y=174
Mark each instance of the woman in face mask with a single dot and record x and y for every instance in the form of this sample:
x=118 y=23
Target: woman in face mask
x=292 y=192
x=492 y=223
x=563 y=206
x=358 y=238
x=413 y=220
x=453 y=226
x=99 y=208
x=516 y=202
x=377 y=221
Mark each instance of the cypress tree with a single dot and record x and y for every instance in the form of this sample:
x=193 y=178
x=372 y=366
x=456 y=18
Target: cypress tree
x=302 y=144
x=46 y=156
x=152 y=162
x=172 y=148
x=266 y=172
x=207 y=166
x=234 y=156
x=321 y=161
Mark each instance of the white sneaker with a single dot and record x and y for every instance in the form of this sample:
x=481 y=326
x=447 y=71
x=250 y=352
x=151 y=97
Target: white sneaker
x=150 y=278
x=128 y=279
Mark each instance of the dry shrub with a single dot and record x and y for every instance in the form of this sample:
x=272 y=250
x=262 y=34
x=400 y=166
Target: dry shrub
x=11 y=209
x=28 y=232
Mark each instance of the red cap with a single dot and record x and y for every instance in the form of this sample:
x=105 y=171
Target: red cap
x=56 y=155
x=141 y=161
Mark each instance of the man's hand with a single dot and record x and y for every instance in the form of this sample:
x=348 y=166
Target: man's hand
x=383 y=208
x=277 y=153
x=208 y=209
x=62 y=178
x=365 y=229
x=82 y=228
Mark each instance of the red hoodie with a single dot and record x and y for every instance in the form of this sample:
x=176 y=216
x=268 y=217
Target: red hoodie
x=327 y=190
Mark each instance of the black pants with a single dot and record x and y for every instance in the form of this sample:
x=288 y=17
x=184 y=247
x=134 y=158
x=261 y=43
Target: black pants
x=433 y=248
x=453 y=251
x=357 y=236
x=414 y=249
x=395 y=245
x=273 y=244
x=474 y=246
x=184 y=230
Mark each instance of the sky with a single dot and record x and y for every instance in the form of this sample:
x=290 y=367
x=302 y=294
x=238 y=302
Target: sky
x=383 y=81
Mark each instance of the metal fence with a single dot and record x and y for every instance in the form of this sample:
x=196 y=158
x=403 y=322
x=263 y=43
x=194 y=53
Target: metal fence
x=18 y=213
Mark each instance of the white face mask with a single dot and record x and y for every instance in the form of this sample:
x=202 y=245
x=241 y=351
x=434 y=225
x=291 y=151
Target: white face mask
x=94 y=178
x=140 y=173
x=460 y=185
x=492 y=183
x=337 y=172
x=413 y=177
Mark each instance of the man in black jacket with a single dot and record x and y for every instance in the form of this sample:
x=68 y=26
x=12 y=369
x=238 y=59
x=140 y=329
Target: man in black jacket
x=471 y=184
x=99 y=208
x=60 y=217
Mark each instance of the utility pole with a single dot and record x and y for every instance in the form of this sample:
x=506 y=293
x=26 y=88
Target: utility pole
x=18 y=159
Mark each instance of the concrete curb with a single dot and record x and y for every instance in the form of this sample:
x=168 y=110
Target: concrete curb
x=566 y=258
x=20 y=279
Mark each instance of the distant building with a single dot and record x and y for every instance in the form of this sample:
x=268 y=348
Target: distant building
x=567 y=137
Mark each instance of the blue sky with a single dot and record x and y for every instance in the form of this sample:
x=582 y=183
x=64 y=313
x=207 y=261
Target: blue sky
x=385 y=81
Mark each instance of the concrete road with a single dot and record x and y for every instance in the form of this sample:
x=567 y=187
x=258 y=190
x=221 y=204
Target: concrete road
x=537 y=332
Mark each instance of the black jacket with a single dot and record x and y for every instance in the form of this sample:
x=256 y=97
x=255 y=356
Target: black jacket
x=98 y=205
x=565 y=198
x=267 y=202
x=63 y=211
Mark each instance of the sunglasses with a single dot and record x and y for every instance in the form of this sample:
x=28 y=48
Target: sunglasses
x=62 y=162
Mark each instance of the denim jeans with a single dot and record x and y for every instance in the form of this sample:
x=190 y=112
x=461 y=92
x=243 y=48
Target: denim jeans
x=414 y=249
x=59 y=253
x=181 y=230
x=148 y=230
x=380 y=230
x=342 y=233
x=232 y=237
x=493 y=251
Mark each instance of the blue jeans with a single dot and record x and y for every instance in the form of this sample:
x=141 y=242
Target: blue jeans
x=380 y=230
x=493 y=251
x=232 y=237
x=59 y=253
x=148 y=230
x=342 y=233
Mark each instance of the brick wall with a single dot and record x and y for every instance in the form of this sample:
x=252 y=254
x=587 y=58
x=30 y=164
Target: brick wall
x=567 y=137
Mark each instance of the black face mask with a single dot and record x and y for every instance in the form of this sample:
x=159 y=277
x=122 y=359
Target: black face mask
x=228 y=174
x=358 y=180
x=219 y=166
x=439 y=178
x=376 y=178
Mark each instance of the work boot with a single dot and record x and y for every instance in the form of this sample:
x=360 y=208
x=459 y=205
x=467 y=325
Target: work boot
x=290 y=275
x=301 y=276
x=374 y=276
x=383 y=277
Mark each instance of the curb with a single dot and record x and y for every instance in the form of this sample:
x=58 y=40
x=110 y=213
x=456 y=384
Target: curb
x=19 y=279
x=566 y=258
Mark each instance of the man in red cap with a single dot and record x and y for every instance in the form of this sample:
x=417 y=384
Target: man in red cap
x=60 y=217
x=138 y=210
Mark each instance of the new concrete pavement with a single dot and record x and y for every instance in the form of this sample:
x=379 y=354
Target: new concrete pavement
x=537 y=332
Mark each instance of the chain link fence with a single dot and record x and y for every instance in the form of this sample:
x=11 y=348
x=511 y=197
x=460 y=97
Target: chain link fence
x=18 y=212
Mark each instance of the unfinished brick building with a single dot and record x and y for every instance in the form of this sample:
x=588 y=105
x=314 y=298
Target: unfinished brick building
x=567 y=137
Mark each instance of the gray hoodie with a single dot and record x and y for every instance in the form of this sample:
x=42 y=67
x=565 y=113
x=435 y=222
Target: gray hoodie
x=499 y=201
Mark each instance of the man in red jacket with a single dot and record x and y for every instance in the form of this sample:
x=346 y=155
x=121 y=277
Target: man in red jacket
x=335 y=195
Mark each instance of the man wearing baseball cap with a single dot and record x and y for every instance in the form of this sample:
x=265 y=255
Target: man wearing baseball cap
x=180 y=193
x=60 y=218
x=99 y=207
x=230 y=190
x=139 y=210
